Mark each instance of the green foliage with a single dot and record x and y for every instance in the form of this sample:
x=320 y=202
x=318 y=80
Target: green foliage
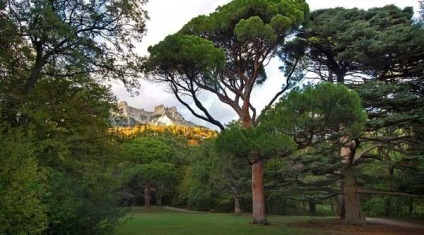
x=240 y=142
x=58 y=171
x=150 y=162
x=376 y=52
x=72 y=142
x=72 y=35
x=252 y=28
x=325 y=111
x=317 y=118
x=201 y=198
x=216 y=180
x=179 y=52
x=64 y=144
x=403 y=101
x=154 y=172
x=207 y=185
x=271 y=13
x=309 y=175
x=224 y=53
x=22 y=185
x=146 y=150
x=83 y=203
x=365 y=43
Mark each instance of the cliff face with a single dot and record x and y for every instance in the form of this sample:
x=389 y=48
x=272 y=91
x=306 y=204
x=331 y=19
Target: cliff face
x=161 y=116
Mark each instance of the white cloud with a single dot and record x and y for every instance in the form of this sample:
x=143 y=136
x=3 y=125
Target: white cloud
x=167 y=17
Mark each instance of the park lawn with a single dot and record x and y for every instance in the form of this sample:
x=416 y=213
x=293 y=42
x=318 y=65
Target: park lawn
x=156 y=220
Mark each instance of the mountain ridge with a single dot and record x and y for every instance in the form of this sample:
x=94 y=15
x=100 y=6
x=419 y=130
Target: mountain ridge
x=160 y=116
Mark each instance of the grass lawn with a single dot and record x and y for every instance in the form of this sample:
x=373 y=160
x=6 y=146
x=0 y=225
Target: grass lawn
x=157 y=220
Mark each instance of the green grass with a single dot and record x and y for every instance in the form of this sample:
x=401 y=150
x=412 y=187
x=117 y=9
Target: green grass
x=161 y=221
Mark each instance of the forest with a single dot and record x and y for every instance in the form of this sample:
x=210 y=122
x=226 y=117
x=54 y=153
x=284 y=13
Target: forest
x=344 y=136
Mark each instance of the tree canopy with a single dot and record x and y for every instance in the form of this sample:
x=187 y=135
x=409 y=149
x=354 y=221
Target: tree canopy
x=376 y=52
x=238 y=39
x=318 y=113
x=74 y=37
x=54 y=111
x=227 y=54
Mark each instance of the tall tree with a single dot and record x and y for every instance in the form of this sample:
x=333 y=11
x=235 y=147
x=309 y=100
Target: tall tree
x=325 y=115
x=66 y=38
x=217 y=182
x=149 y=166
x=251 y=143
x=22 y=186
x=52 y=55
x=377 y=52
x=70 y=128
x=224 y=54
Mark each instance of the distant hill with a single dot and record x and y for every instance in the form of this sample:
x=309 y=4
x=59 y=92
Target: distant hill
x=161 y=116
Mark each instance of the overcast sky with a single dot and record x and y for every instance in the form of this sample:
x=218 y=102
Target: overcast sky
x=168 y=16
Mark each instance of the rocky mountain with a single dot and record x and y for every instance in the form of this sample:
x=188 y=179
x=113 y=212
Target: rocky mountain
x=161 y=116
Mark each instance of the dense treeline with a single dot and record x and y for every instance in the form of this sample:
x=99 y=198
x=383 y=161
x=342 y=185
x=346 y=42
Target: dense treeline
x=196 y=135
x=349 y=142
x=376 y=53
x=58 y=162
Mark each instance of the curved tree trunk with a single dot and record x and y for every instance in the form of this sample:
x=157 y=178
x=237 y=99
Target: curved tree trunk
x=353 y=211
x=258 y=195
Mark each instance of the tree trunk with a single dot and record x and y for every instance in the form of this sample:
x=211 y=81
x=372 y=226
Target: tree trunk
x=411 y=206
x=258 y=196
x=147 y=195
x=257 y=167
x=353 y=212
x=40 y=62
x=345 y=155
x=340 y=202
x=312 y=207
x=237 y=209
x=390 y=186
x=387 y=202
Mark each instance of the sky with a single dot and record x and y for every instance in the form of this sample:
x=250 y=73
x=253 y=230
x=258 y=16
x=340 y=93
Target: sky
x=168 y=16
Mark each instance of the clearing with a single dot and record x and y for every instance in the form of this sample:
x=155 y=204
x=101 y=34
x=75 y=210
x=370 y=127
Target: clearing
x=171 y=221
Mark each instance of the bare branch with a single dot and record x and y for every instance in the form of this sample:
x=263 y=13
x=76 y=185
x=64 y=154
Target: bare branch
x=271 y=102
x=207 y=116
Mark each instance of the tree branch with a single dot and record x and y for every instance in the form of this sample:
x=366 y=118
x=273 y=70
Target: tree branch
x=267 y=107
x=364 y=191
x=358 y=155
x=198 y=104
